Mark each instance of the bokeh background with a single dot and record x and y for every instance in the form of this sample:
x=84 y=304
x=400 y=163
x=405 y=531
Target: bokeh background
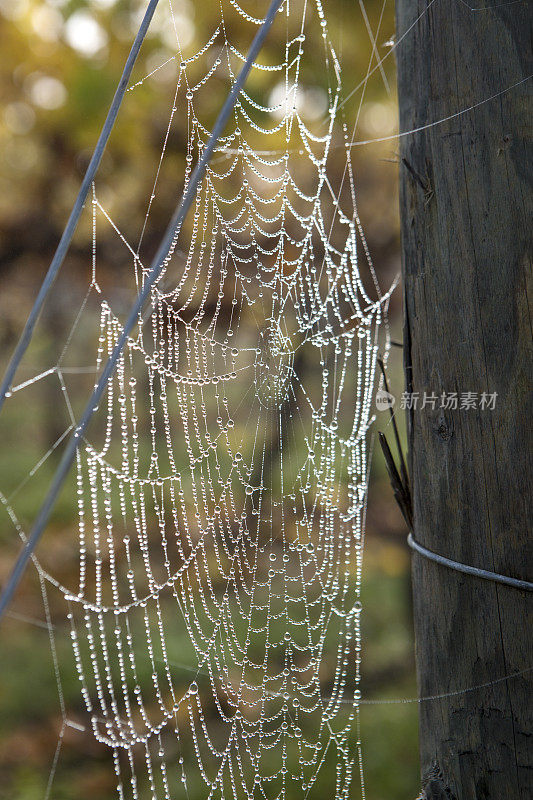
x=60 y=62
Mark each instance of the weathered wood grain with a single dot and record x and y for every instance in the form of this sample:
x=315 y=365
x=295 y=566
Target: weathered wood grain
x=466 y=209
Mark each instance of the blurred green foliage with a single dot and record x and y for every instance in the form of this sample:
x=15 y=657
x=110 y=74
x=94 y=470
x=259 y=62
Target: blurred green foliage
x=61 y=61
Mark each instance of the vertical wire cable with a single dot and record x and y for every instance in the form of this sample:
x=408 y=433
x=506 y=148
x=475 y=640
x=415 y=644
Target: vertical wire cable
x=156 y=269
x=68 y=232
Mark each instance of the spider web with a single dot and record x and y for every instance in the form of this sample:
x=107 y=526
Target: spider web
x=215 y=624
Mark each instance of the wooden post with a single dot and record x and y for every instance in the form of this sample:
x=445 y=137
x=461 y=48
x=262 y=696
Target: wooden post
x=467 y=212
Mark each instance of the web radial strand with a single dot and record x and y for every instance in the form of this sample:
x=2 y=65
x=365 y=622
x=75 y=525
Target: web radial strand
x=216 y=621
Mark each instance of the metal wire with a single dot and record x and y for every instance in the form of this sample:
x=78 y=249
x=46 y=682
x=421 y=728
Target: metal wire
x=68 y=233
x=486 y=574
x=153 y=275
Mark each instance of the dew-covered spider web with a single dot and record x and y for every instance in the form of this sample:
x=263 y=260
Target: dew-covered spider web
x=221 y=493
